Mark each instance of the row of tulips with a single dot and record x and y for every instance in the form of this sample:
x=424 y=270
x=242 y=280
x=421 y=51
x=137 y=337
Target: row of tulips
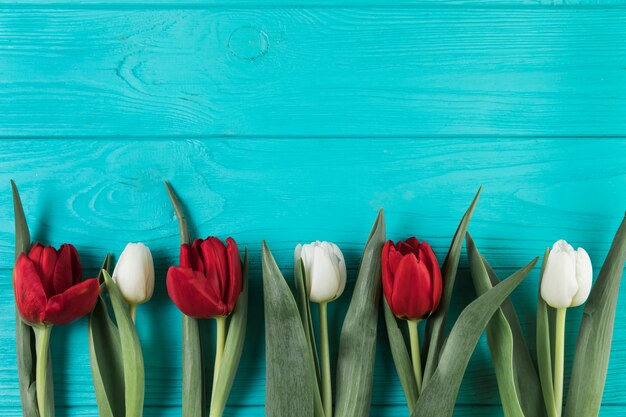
x=210 y=282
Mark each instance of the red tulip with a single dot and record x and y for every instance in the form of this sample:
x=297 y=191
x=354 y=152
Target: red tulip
x=411 y=278
x=208 y=281
x=48 y=288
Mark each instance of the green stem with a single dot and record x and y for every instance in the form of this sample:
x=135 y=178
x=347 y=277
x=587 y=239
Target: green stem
x=42 y=335
x=133 y=311
x=415 y=352
x=327 y=393
x=559 y=349
x=219 y=348
x=193 y=402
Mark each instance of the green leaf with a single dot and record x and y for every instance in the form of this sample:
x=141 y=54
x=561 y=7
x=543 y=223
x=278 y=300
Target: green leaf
x=438 y=397
x=434 y=336
x=233 y=347
x=24 y=334
x=544 y=347
x=526 y=377
x=304 y=306
x=401 y=358
x=132 y=357
x=357 y=343
x=593 y=346
x=518 y=383
x=193 y=379
x=289 y=372
x=105 y=351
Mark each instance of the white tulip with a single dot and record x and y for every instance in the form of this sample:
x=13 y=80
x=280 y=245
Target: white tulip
x=325 y=270
x=134 y=274
x=567 y=276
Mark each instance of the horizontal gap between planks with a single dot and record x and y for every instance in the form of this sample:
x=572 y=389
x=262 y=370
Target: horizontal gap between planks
x=405 y=4
x=304 y=137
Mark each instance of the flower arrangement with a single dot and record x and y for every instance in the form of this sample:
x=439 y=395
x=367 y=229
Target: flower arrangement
x=403 y=279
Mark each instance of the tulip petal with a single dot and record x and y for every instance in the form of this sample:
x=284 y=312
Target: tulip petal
x=559 y=286
x=387 y=273
x=405 y=248
x=215 y=267
x=75 y=302
x=584 y=276
x=47 y=265
x=427 y=256
x=412 y=290
x=193 y=294
x=30 y=296
x=63 y=270
x=413 y=243
x=324 y=280
x=197 y=263
x=341 y=266
x=234 y=274
x=35 y=255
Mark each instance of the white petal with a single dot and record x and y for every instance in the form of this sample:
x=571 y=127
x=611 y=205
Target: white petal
x=343 y=274
x=584 y=275
x=134 y=273
x=324 y=281
x=559 y=284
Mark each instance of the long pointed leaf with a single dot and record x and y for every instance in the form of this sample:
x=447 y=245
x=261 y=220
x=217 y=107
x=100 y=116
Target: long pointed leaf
x=357 y=343
x=544 y=347
x=132 y=357
x=105 y=351
x=515 y=372
x=593 y=346
x=526 y=378
x=289 y=372
x=401 y=358
x=24 y=334
x=193 y=379
x=436 y=325
x=233 y=347
x=438 y=397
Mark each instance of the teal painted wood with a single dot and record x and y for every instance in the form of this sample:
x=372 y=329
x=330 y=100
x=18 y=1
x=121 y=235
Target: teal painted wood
x=99 y=194
x=320 y=71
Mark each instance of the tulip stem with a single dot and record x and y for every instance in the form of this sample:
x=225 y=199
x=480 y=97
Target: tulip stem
x=327 y=393
x=415 y=352
x=219 y=347
x=559 y=354
x=42 y=336
x=133 y=311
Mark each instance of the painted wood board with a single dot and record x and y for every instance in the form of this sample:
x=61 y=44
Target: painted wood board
x=99 y=194
x=310 y=72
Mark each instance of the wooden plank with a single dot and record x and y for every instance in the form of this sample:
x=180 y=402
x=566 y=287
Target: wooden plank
x=99 y=194
x=322 y=71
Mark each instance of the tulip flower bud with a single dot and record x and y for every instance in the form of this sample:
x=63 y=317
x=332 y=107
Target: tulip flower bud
x=134 y=273
x=325 y=270
x=566 y=280
x=48 y=286
x=411 y=279
x=209 y=280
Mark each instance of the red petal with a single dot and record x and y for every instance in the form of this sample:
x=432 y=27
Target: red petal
x=215 y=266
x=30 y=296
x=427 y=256
x=413 y=243
x=190 y=291
x=35 y=255
x=405 y=248
x=48 y=261
x=412 y=289
x=72 y=304
x=387 y=272
x=77 y=269
x=234 y=274
x=185 y=255
x=196 y=259
x=63 y=271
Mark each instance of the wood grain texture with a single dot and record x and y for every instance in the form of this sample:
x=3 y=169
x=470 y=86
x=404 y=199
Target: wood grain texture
x=321 y=71
x=100 y=194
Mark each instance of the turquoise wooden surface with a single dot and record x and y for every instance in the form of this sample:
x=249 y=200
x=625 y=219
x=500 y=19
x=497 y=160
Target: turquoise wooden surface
x=293 y=121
